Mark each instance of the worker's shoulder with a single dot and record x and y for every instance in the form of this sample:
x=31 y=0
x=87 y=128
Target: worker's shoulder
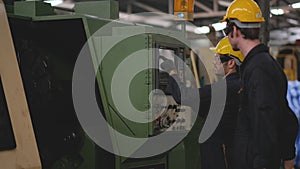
x=262 y=64
x=262 y=60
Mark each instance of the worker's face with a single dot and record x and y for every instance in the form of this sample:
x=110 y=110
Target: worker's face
x=229 y=28
x=220 y=65
x=231 y=31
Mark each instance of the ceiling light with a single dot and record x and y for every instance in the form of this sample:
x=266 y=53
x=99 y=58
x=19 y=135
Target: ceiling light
x=202 y=30
x=296 y=5
x=277 y=11
x=219 y=26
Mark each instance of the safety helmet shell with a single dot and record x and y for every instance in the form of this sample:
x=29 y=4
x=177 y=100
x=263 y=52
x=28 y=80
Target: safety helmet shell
x=224 y=48
x=244 y=11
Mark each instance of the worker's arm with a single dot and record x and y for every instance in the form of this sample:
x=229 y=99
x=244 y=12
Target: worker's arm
x=193 y=97
x=198 y=99
x=264 y=116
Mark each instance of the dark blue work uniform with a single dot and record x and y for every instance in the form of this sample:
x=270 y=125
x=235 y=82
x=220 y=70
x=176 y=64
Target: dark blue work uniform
x=212 y=154
x=267 y=127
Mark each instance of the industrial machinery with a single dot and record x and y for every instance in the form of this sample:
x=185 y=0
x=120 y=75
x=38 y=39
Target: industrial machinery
x=17 y=140
x=48 y=47
x=288 y=57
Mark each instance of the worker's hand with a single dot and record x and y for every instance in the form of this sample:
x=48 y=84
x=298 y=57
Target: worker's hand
x=289 y=164
x=167 y=65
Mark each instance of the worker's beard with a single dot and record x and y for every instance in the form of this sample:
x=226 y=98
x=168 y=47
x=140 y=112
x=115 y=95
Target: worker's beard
x=234 y=46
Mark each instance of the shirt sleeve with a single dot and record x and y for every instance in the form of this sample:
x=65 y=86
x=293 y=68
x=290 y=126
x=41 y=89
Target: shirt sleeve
x=263 y=117
x=187 y=96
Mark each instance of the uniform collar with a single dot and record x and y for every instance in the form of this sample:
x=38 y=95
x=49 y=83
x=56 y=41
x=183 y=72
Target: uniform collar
x=257 y=49
x=234 y=75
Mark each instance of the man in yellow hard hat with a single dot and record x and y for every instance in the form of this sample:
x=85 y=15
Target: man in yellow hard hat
x=224 y=53
x=227 y=63
x=266 y=128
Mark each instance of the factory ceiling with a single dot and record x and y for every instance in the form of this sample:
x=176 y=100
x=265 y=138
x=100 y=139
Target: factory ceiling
x=207 y=12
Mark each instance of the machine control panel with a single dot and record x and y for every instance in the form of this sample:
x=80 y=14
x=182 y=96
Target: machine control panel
x=169 y=115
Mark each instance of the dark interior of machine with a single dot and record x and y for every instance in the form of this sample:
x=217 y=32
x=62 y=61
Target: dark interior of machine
x=162 y=76
x=48 y=85
x=7 y=139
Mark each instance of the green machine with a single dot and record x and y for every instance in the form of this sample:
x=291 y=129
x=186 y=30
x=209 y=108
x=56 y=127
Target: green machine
x=49 y=47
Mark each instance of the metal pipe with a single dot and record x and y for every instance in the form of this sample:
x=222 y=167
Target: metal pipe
x=264 y=31
x=171 y=7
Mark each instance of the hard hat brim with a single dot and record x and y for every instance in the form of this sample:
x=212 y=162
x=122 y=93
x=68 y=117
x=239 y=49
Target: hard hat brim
x=246 y=24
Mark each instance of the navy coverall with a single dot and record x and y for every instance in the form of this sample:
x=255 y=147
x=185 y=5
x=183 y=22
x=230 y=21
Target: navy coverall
x=212 y=155
x=267 y=127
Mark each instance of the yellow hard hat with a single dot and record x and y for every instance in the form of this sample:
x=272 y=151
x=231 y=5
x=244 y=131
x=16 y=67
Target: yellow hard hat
x=244 y=11
x=224 y=48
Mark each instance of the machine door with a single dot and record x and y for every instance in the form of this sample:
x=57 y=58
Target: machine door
x=22 y=151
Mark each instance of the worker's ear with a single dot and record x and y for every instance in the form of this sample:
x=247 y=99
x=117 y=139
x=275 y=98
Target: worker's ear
x=231 y=63
x=235 y=32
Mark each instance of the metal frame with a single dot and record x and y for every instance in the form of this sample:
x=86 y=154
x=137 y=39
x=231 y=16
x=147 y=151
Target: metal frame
x=25 y=155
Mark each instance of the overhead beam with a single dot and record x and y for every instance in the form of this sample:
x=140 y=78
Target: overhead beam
x=146 y=7
x=272 y=2
x=209 y=14
x=286 y=1
x=290 y=15
x=224 y=3
x=215 y=5
x=202 y=6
